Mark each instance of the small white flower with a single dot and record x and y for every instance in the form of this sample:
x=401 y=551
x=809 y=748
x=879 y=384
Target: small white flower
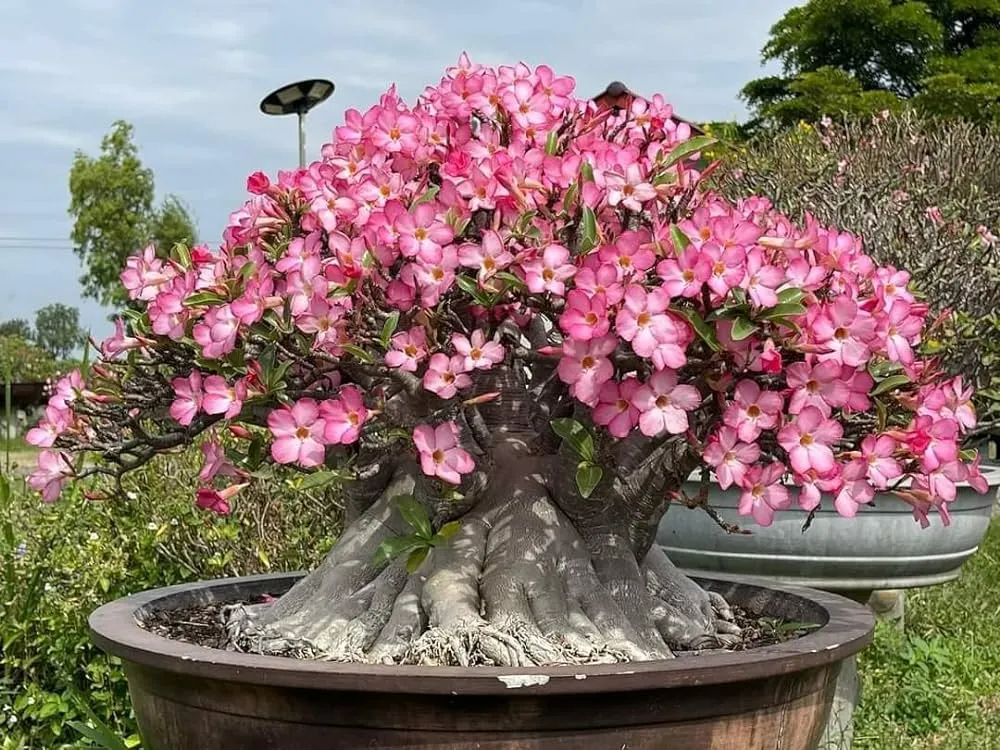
x=173 y=521
x=152 y=526
x=48 y=587
x=93 y=536
x=131 y=495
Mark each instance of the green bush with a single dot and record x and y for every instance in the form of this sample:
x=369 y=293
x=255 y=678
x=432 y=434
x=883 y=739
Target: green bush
x=924 y=195
x=23 y=362
x=59 y=562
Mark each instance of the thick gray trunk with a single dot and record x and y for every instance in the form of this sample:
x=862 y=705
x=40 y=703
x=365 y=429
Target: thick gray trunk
x=535 y=576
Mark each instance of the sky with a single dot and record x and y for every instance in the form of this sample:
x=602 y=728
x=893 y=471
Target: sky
x=189 y=76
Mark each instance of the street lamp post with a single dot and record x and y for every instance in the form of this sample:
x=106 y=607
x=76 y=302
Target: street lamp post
x=298 y=98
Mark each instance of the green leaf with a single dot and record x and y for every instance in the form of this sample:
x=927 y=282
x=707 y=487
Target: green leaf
x=203 y=298
x=182 y=255
x=359 y=354
x=588 y=476
x=415 y=516
x=471 y=287
x=429 y=195
x=389 y=328
x=511 y=279
x=588 y=225
x=100 y=735
x=587 y=172
x=783 y=310
x=690 y=146
x=576 y=436
x=552 y=143
x=569 y=198
x=681 y=241
x=392 y=548
x=890 y=384
x=416 y=559
x=790 y=295
x=318 y=479
x=705 y=332
x=447 y=531
x=742 y=328
x=4 y=489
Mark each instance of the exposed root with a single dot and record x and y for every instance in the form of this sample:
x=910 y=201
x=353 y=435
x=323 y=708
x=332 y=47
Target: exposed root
x=517 y=587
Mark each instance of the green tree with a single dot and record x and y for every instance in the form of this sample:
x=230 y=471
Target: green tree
x=16 y=327
x=112 y=205
x=855 y=57
x=57 y=330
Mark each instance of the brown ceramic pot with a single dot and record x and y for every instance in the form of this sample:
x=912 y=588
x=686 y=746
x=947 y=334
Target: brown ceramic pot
x=188 y=697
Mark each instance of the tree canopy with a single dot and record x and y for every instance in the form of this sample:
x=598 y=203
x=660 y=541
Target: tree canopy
x=57 y=330
x=857 y=57
x=112 y=205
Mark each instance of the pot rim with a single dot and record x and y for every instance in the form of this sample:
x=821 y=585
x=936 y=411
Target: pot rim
x=114 y=629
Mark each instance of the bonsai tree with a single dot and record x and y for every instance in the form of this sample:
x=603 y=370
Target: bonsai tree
x=512 y=323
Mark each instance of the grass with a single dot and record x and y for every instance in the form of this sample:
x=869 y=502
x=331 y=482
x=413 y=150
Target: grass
x=937 y=686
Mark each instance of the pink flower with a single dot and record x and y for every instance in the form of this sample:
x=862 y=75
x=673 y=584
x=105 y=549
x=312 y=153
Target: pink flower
x=763 y=493
x=819 y=385
x=808 y=439
x=630 y=253
x=585 y=366
x=856 y=491
x=642 y=322
x=933 y=441
x=813 y=485
x=117 y=343
x=421 y=233
x=440 y=454
x=189 y=398
x=762 y=279
x=216 y=334
x=663 y=404
x=901 y=330
x=479 y=353
x=729 y=457
x=630 y=189
x=446 y=376
x=222 y=398
x=585 y=317
x=846 y=331
x=436 y=277
x=51 y=474
x=952 y=401
x=614 y=409
x=488 y=257
x=876 y=456
x=550 y=272
x=686 y=275
x=770 y=358
x=602 y=280
x=408 y=349
x=344 y=417
x=321 y=319
x=217 y=501
x=144 y=274
x=298 y=433
x=752 y=410
x=55 y=422
x=258 y=183
x=215 y=463
x=727 y=267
